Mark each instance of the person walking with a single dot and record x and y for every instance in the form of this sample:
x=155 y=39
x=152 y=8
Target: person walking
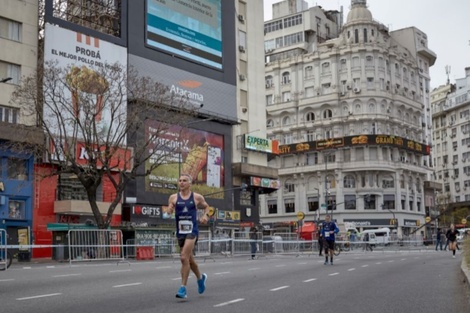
x=253 y=242
x=320 y=240
x=185 y=204
x=439 y=236
x=452 y=237
x=329 y=229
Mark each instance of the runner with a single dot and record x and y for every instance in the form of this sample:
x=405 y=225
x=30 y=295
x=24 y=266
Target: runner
x=185 y=204
x=329 y=229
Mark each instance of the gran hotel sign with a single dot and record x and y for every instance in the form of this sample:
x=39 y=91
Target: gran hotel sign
x=355 y=141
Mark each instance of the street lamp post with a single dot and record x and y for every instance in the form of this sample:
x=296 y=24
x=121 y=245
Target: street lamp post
x=325 y=159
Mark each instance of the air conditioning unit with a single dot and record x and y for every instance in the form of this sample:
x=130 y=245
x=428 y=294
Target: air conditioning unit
x=241 y=48
x=357 y=90
x=241 y=18
x=242 y=77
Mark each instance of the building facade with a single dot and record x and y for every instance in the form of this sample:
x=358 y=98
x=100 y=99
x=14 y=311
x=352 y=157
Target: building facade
x=451 y=143
x=18 y=57
x=348 y=105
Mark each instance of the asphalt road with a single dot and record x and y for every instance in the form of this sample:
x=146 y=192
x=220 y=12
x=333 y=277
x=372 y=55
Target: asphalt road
x=368 y=282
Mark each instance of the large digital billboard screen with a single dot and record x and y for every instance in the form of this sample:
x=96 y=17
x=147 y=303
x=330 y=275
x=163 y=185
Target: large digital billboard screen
x=194 y=152
x=191 y=29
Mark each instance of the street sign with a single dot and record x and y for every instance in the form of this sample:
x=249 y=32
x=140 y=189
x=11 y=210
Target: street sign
x=428 y=219
x=323 y=205
x=300 y=215
x=464 y=221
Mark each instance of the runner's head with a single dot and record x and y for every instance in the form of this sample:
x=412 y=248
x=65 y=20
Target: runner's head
x=327 y=218
x=185 y=181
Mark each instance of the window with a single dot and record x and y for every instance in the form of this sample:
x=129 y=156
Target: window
x=350 y=202
x=369 y=202
x=10 y=29
x=293 y=20
x=289 y=205
x=293 y=39
x=16 y=209
x=286 y=121
x=273 y=26
x=343 y=64
x=389 y=202
x=242 y=39
x=349 y=182
x=327 y=113
x=17 y=169
x=286 y=96
x=309 y=92
x=272 y=207
x=370 y=83
x=356 y=36
x=313 y=204
x=269 y=100
x=286 y=139
x=312 y=158
x=325 y=67
x=8 y=115
x=388 y=182
x=70 y=188
x=308 y=71
x=269 y=123
x=365 y=35
x=369 y=61
x=285 y=78
x=289 y=186
x=10 y=70
x=310 y=117
x=269 y=81
x=356 y=62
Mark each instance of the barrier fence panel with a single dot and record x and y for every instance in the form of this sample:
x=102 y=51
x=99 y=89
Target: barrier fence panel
x=3 y=249
x=95 y=244
x=243 y=245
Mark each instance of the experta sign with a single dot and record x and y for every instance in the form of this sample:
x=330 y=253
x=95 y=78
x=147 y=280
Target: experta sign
x=261 y=144
x=191 y=29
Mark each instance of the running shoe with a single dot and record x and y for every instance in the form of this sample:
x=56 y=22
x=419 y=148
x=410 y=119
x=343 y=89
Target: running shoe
x=453 y=256
x=326 y=262
x=201 y=283
x=181 y=293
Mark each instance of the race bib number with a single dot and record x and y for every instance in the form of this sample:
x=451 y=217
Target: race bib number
x=327 y=234
x=185 y=227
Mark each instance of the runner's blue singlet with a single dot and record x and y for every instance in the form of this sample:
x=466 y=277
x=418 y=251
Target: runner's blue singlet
x=186 y=216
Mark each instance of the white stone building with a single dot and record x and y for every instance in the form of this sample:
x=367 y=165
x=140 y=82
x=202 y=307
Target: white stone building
x=451 y=140
x=350 y=107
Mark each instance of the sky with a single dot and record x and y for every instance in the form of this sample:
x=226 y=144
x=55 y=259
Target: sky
x=445 y=22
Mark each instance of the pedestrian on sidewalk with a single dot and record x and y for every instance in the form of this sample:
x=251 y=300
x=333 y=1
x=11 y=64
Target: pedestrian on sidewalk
x=320 y=241
x=253 y=242
x=439 y=236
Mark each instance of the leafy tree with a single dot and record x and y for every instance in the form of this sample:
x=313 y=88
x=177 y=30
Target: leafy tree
x=100 y=112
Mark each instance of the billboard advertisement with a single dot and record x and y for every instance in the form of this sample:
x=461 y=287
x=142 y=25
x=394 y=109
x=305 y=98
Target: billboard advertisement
x=195 y=152
x=85 y=59
x=186 y=28
x=206 y=95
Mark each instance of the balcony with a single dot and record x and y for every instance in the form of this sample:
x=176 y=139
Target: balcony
x=82 y=207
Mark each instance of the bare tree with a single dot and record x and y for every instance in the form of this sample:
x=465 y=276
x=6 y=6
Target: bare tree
x=93 y=122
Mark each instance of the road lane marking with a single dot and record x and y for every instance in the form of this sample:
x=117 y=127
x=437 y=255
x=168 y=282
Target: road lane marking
x=309 y=280
x=254 y=268
x=302 y=263
x=27 y=267
x=279 y=288
x=228 y=302
x=333 y=274
x=402 y=259
x=120 y=271
x=10 y=279
x=162 y=267
x=378 y=263
x=50 y=266
x=391 y=261
x=221 y=273
x=351 y=269
x=39 y=296
x=281 y=265
x=365 y=265
x=127 y=285
x=66 y=275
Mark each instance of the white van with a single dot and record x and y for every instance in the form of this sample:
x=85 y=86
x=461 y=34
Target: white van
x=379 y=236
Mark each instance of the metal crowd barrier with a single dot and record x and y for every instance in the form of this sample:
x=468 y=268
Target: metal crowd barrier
x=3 y=249
x=95 y=244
